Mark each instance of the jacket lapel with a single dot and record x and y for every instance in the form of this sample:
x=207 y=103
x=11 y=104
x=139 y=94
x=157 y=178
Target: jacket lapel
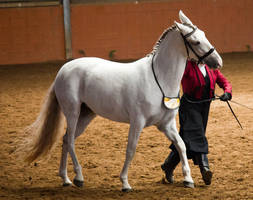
x=199 y=75
x=211 y=77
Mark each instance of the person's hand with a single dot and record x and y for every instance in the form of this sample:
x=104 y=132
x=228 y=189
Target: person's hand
x=226 y=97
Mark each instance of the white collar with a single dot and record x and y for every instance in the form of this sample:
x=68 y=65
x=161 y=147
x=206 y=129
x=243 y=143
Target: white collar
x=202 y=69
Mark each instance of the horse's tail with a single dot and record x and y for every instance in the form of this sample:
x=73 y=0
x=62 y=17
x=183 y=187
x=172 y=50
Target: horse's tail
x=43 y=134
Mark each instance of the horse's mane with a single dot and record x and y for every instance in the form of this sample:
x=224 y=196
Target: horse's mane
x=161 y=38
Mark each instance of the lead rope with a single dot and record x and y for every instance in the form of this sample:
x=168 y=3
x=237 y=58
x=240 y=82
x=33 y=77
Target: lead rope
x=201 y=101
x=216 y=98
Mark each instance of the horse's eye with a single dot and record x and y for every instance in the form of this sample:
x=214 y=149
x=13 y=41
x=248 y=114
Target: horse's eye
x=196 y=43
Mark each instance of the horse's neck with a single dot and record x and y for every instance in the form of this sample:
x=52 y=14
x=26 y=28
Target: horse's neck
x=169 y=63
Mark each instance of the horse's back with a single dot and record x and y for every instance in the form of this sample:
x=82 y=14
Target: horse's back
x=97 y=67
x=107 y=87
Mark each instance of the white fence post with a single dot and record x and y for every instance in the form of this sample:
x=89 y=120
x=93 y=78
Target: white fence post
x=67 y=29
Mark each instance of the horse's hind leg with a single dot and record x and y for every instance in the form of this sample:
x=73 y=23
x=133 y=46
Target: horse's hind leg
x=71 y=110
x=63 y=165
x=85 y=117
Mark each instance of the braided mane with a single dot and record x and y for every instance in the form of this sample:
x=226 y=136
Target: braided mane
x=161 y=38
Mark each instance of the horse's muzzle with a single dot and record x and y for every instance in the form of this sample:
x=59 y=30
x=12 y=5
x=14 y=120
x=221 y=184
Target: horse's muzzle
x=213 y=62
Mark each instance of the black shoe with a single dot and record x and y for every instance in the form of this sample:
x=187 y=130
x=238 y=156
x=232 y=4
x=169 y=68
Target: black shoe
x=169 y=165
x=206 y=173
x=168 y=174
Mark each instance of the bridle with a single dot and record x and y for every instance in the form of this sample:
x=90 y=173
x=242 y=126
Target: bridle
x=188 y=45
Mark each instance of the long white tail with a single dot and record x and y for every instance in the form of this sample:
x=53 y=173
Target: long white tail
x=43 y=134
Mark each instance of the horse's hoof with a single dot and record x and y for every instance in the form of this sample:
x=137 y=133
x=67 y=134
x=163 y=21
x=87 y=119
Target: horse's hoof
x=66 y=184
x=78 y=183
x=188 y=184
x=126 y=190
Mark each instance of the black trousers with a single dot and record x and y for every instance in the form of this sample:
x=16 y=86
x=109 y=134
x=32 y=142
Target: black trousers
x=193 y=118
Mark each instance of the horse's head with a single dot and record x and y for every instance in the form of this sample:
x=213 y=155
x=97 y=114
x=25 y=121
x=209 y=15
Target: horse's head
x=198 y=47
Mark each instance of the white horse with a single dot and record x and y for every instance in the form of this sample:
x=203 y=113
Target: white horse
x=135 y=93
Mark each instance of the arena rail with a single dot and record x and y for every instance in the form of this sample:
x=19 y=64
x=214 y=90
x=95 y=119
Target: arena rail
x=28 y=3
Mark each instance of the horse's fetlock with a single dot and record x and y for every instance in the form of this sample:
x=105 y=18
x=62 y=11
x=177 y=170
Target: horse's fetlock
x=186 y=171
x=123 y=178
x=78 y=169
x=62 y=174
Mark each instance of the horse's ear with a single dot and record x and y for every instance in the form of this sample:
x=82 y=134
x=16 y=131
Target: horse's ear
x=184 y=19
x=182 y=28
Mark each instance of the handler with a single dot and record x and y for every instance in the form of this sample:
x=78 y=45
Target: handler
x=198 y=85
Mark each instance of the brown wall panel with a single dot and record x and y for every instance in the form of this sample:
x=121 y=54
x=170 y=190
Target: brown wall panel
x=132 y=29
x=36 y=34
x=29 y=35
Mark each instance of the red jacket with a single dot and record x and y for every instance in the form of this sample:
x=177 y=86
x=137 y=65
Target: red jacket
x=193 y=81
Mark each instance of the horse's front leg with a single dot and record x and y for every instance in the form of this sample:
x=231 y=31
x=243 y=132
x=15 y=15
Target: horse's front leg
x=172 y=134
x=133 y=137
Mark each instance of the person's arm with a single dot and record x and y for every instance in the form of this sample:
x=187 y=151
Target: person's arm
x=225 y=85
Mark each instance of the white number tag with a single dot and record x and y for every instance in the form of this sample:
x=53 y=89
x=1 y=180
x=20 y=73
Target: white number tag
x=171 y=103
